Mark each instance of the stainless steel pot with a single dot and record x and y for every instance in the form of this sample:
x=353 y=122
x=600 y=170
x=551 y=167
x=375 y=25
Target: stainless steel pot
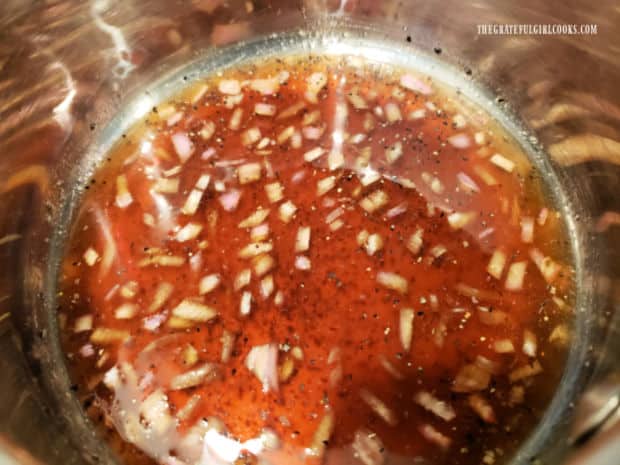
x=69 y=69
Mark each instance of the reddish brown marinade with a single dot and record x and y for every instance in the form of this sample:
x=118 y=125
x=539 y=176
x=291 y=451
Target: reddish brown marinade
x=316 y=261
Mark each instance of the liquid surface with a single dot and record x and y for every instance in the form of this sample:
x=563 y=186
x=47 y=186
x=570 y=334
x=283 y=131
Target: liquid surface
x=315 y=260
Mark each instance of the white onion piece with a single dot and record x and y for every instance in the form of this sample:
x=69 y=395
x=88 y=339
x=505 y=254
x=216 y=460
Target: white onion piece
x=497 y=263
x=263 y=264
x=525 y=371
x=374 y=201
x=394 y=152
x=432 y=435
x=248 y=173
x=502 y=162
x=262 y=361
x=313 y=154
x=392 y=112
x=516 y=276
x=230 y=200
x=162 y=294
x=411 y=82
x=188 y=232
x=274 y=191
x=250 y=136
x=254 y=249
x=314 y=84
x=548 y=268
x=374 y=243
x=242 y=279
x=529 y=343
x=527 y=229
x=245 y=306
x=255 y=218
x=313 y=132
x=123 y=196
x=397 y=210
x=368 y=448
x=467 y=183
x=503 y=346
x=484 y=410
x=208 y=283
x=471 y=378
x=266 y=286
x=302 y=240
x=335 y=160
x=91 y=256
x=379 y=407
x=194 y=311
x=302 y=263
x=459 y=141
x=392 y=281
x=406 y=327
x=323 y=186
x=229 y=86
x=458 y=220
x=194 y=377
x=438 y=407
x=286 y=211
x=322 y=435
x=83 y=323
x=265 y=109
x=415 y=241
x=126 y=311
x=267 y=86
x=235 y=119
x=183 y=145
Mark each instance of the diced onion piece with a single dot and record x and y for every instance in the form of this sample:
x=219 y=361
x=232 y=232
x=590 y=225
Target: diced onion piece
x=162 y=294
x=207 y=131
x=467 y=183
x=459 y=141
x=392 y=281
x=208 y=283
x=313 y=154
x=166 y=185
x=406 y=327
x=108 y=336
x=542 y=216
x=432 y=435
x=259 y=233
x=548 y=268
x=323 y=186
x=433 y=182
x=91 y=256
x=394 y=152
x=285 y=135
x=194 y=311
x=228 y=342
x=206 y=372
x=527 y=229
x=235 y=119
x=190 y=355
x=414 y=242
x=123 y=196
x=497 y=263
x=525 y=371
x=368 y=448
x=313 y=132
x=502 y=162
x=83 y=323
x=250 y=136
x=302 y=240
x=292 y=110
x=322 y=435
x=480 y=138
x=263 y=264
x=195 y=196
x=335 y=160
x=438 y=407
x=379 y=407
x=459 y=121
x=357 y=138
x=374 y=201
x=274 y=191
x=485 y=175
x=183 y=145
x=255 y=218
x=471 y=378
x=484 y=410
x=230 y=200
x=266 y=286
x=229 y=86
x=254 y=249
x=515 y=276
x=188 y=232
x=530 y=344
x=126 y=311
x=487 y=365
x=242 y=279
x=162 y=260
x=245 y=306
x=368 y=176
x=417 y=114
x=286 y=211
x=458 y=220
x=302 y=263
x=492 y=317
x=262 y=361
x=397 y=210
x=392 y=112
x=249 y=172
x=374 y=243
x=503 y=346
x=411 y=82
x=268 y=86
x=314 y=84
x=357 y=101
